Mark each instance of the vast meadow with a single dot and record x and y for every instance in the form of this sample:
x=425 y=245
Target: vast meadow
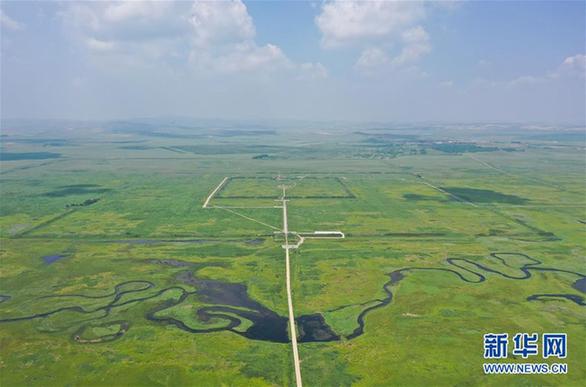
x=112 y=272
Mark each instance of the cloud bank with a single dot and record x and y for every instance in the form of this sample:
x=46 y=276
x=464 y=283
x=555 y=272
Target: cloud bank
x=389 y=33
x=209 y=36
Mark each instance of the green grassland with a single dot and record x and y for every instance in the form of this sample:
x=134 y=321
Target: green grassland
x=133 y=255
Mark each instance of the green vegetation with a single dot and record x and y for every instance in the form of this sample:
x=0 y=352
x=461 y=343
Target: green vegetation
x=264 y=156
x=110 y=250
x=460 y=148
x=85 y=203
x=483 y=195
x=10 y=156
x=78 y=189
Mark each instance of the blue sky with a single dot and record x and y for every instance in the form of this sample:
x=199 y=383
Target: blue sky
x=323 y=60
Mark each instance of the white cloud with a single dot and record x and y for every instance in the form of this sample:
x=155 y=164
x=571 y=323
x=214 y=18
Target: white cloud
x=573 y=66
x=128 y=10
x=220 y=22
x=129 y=21
x=223 y=39
x=240 y=57
x=569 y=69
x=372 y=58
x=127 y=33
x=346 y=22
x=390 y=33
x=312 y=71
x=209 y=36
x=526 y=80
x=6 y=22
x=416 y=45
x=100 y=45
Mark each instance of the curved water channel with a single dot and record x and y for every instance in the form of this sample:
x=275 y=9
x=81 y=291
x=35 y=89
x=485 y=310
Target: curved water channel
x=228 y=307
x=479 y=276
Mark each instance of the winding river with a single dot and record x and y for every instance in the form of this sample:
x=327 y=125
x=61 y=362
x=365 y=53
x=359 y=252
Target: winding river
x=227 y=305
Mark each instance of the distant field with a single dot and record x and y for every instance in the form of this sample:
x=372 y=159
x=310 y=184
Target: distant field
x=299 y=187
x=112 y=273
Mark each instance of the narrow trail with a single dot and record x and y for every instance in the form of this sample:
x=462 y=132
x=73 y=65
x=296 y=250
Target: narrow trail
x=205 y=204
x=286 y=246
x=522 y=177
x=247 y=217
x=230 y=209
x=449 y=193
x=292 y=328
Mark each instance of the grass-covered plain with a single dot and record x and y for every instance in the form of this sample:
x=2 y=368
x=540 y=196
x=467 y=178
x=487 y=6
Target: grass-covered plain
x=104 y=242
